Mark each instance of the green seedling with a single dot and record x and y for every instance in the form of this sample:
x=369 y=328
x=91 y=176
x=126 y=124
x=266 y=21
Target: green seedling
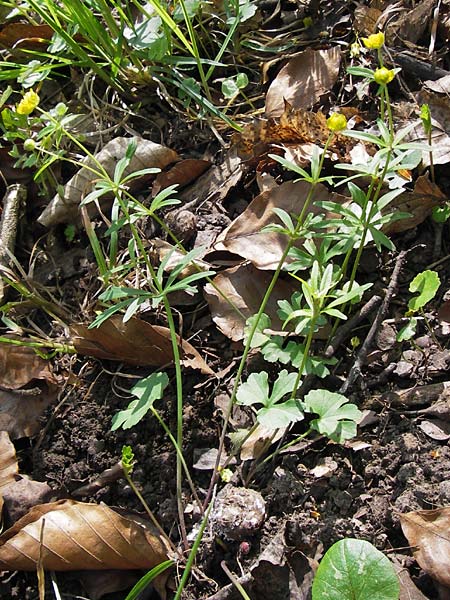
x=426 y=284
x=274 y=413
x=337 y=418
x=355 y=570
x=233 y=86
x=147 y=392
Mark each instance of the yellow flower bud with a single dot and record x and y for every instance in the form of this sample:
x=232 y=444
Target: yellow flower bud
x=383 y=76
x=336 y=122
x=28 y=103
x=374 y=41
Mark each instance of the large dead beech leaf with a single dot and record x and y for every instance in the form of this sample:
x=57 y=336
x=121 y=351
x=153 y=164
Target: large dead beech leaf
x=148 y=155
x=303 y=80
x=245 y=287
x=244 y=236
x=8 y=464
x=79 y=536
x=135 y=342
x=429 y=532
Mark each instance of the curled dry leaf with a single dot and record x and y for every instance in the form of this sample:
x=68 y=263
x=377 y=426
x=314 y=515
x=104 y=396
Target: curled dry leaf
x=8 y=464
x=245 y=237
x=299 y=127
x=419 y=204
x=148 y=155
x=243 y=286
x=27 y=387
x=135 y=342
x=428 y=532
x=79 y=536
x=303 y=80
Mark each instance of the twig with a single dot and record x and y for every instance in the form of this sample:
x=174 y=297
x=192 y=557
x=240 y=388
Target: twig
x=13 y=206
x=355 y=371
x=345 y=329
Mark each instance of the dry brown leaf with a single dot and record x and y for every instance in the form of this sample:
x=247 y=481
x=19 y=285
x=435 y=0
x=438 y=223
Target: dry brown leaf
x=258 y=441
x=182 y=173
x=444 y=312
x=303 y=80
x=299 y=127
x=244 y=236
x=215 y=184
x=20 y=412
x=148 y=155
x=419 y=204
x=19 y=365
x=429 y=532
x=366 y=19
x=135 y=342
x=24 y=35
x=8 y=464
x=245 y=287
x=79 y=536
x=27 y=387
x=441 y=85
x=409 y=25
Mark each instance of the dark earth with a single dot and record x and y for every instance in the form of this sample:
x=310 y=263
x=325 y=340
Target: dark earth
x=317 y=492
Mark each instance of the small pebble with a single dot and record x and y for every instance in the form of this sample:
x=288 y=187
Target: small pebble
x=238 y=512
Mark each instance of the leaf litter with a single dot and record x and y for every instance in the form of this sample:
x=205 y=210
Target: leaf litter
x=399 y=468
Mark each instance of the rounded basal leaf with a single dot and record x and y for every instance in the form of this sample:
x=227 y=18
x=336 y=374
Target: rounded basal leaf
x=355 y=570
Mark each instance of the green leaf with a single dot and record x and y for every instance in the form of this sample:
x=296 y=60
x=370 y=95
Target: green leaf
x=273 y=414
x=333 y=410
x=255 y=390
x=355 y=570
x=408 y=331
x=284 y=384
x=146 y=579
x=427 y=284
x=280 y=415
x=147 y=391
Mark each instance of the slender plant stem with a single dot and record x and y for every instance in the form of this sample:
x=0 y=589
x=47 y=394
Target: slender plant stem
x=257 y=319
x=193 y=553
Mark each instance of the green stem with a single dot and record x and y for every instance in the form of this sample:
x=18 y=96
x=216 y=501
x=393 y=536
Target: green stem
x=193 y=553
x=180 y=454
x=309 y=340
x=261 y=309
x=56 y=346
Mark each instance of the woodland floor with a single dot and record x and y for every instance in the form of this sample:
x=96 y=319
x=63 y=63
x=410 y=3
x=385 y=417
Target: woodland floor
x=395 y=465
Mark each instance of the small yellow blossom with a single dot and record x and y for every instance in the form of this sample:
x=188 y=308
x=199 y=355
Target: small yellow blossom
x=336 y=122
x=383 y=76
x=28 y=103
x=374 y=41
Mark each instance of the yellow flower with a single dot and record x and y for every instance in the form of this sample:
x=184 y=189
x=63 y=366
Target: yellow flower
x=28 y=103
x=336 y=122
x=383 y=76
x=374 y=41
